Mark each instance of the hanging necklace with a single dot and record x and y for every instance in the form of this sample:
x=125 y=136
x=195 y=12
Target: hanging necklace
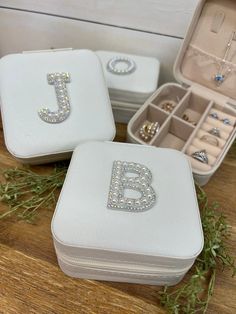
x=223 y=72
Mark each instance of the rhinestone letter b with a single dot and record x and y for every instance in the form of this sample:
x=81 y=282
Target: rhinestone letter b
x=140 y=183
x=59 y=81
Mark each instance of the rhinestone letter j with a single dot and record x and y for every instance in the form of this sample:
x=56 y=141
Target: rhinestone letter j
x=59 y=81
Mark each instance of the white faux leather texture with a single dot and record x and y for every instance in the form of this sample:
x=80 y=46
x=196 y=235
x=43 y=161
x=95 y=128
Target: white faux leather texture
x=24 y=90
x=172 y=228
x=135 y=87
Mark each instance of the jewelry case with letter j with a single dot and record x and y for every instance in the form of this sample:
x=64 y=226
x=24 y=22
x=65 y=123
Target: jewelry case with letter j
x=197 y=117
x=71 y=84
x=121 y=215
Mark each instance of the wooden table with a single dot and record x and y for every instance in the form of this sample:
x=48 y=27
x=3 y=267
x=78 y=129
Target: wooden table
x=31 y=281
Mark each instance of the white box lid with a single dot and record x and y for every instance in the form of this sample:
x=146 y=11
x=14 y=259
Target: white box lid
x=83 y=225
x=134 y=87
x=24 y=91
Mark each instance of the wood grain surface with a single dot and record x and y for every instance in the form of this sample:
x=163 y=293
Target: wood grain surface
x=31 y=281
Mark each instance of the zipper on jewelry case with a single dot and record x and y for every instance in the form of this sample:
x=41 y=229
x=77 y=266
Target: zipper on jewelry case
x=164 y=275
x=127 y=268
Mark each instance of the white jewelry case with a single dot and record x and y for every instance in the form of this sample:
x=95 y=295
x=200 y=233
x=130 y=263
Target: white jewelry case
x=201 y=122
x=130 y=79
x=155 y=246
x=25 y=90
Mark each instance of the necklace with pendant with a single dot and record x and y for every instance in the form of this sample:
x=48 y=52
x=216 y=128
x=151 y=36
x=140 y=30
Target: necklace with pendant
x=223 y=73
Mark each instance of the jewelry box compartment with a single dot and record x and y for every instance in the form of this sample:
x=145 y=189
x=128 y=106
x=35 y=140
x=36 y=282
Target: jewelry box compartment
x=174 y=134
x=197 y=126
x=168 y=97
x=191 y=108
x=150 y=114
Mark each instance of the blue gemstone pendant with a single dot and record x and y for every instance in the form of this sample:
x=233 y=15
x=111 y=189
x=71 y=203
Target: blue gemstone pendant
x=219 y=78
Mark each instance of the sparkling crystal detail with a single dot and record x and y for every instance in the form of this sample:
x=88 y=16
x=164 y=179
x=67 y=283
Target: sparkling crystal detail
x=226 y=121
x=140 y=183
x=59 y=80
x=219 y=78
x=214 y=115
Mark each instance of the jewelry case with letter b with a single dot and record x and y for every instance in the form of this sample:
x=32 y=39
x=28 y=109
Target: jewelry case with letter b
x=51 y=101
x=197 y=117
x=121 y=215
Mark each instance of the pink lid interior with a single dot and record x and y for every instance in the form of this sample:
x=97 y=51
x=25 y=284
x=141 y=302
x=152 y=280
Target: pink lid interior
x=201 y=58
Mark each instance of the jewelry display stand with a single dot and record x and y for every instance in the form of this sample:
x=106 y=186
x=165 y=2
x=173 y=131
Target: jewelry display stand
x=198 y=117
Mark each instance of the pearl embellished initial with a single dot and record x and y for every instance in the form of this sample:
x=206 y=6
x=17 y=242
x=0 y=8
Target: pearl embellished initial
x=59 y=81
x=120 y=181
x=116 y=65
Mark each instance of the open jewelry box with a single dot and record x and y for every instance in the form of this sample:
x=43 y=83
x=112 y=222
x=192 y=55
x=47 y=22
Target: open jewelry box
x=197 y=117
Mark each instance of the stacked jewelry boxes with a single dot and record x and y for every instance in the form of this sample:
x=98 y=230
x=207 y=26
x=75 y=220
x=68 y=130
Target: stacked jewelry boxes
x=133 y=228
x=62 y=81
x=197 y=117
x=130 y=79
x=99 y=237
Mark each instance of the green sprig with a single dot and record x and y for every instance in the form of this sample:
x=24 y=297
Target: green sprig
x=25 y=192
x=194 y=295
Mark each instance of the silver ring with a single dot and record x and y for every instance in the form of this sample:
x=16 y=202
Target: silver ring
x=226 y=121
x=113 y=65
x=214 y=115
x=201 y=156
x=210 y=140
x=215 y=132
